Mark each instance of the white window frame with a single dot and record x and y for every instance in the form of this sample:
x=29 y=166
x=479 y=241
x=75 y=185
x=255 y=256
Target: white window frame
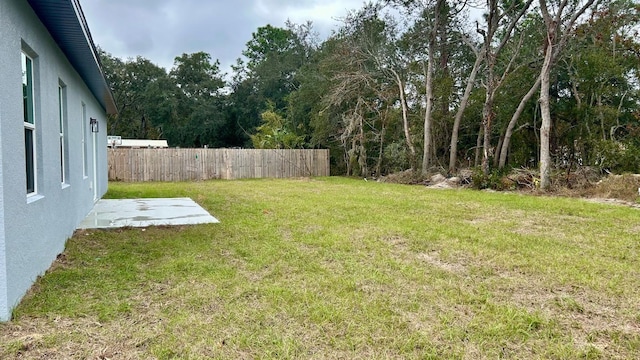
x=29 y=121
x=62 y=108
x=85 y=157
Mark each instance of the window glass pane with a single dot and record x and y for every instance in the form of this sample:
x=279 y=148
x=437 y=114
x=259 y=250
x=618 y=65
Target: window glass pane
x=27 y=88
x=62 y=104
x=85 y=157
x=28 y=146
x=60 y=108
x=62 y=170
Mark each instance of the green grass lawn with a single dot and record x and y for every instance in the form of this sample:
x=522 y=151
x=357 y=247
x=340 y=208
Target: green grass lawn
x=336 y=268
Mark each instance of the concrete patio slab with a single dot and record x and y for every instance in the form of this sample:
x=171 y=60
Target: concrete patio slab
x=117 y=213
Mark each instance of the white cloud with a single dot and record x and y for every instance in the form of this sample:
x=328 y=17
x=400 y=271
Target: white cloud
x=163 y=29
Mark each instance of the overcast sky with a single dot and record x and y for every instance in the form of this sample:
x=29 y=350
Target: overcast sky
x=160 y=30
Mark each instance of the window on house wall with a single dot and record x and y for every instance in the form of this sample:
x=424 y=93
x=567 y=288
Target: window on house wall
x=29 y=123
x=85 y=158
x=62 y=117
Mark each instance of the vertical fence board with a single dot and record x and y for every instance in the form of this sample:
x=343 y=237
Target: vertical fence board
x=202 y=164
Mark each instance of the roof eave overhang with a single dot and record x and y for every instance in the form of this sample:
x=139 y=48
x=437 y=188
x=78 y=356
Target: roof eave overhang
x=67 y=25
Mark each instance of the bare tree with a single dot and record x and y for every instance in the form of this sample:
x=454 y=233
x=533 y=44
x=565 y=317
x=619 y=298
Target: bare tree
x=405 y=114
x=514 y=120
x=453 y=154
x=491 y=52
x=559 y=27
x=428 y=69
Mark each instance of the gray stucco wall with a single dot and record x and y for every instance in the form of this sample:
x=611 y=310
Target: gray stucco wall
x=33 y=231
x=4 y=309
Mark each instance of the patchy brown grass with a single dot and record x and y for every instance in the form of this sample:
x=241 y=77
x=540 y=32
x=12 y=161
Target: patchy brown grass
x=337 y=269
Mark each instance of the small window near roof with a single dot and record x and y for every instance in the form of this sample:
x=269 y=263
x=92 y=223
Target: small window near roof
x=62 y=122
x=29 y=123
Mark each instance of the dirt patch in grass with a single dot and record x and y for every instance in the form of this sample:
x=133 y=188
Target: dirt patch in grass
x=538 y=225
x=434 y=260
x=589 y=317
x=38 y=338
x=401 y=252
x=611 y=201
x=591 y=320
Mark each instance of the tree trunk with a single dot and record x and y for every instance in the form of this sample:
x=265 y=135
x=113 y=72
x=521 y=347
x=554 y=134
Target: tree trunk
x=405 y=119
x=601 y=117
x=362 y=150
x=478 y=146
x=381 y=150
x=429 y=89
x=545 y=111
x=558 y=29
x=487 y=118
x=427 y=115
x=347 y=156
x=494 y=82
x=453 y=155
x=487 y=110
x=498 y=149
x=514 y=120
x=444 y=55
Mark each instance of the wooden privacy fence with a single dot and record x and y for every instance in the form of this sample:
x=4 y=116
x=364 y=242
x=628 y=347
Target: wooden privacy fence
x=203 y=164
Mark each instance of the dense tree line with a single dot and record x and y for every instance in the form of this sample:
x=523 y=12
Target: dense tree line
x=552 y=84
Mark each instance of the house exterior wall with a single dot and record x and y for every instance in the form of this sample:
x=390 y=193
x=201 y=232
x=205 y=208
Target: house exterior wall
x=4 y=310
x=34 y=229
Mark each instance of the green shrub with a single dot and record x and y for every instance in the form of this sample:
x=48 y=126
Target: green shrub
x=496 y=179
x=396 y=157
x=616 y=157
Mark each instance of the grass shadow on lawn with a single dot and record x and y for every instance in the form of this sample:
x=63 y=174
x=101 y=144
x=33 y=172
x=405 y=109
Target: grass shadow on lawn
x=338 y=268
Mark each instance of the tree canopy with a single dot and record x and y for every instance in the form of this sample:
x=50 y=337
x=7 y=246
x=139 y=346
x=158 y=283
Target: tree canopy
x=546 y=83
